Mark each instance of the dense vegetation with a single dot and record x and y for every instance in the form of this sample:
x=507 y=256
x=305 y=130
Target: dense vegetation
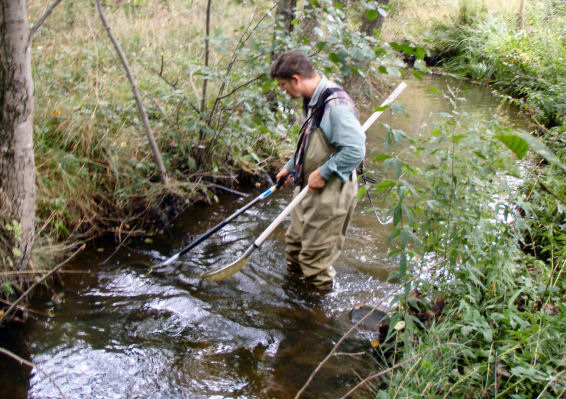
x=478 y=229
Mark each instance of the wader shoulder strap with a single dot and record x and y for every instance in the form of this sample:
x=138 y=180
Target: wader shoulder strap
x=310 y=125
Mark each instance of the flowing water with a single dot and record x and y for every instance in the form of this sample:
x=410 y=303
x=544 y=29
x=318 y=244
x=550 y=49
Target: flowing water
x=125 y=329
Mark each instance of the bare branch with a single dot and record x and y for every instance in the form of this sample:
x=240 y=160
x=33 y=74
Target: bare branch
x=206 y=54
x=241 y=86
x=243 y=39
x=41 y=280
x=355 y=326
x=30 y=364
x=141 y=109
x=41 y=20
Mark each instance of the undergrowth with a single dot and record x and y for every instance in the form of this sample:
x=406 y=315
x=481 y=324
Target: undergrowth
x=95 y=170
x=463 y=209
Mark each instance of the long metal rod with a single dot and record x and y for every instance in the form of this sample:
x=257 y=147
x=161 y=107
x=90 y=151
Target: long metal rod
x=228 y=270
x=388 y=101
x=223 y=223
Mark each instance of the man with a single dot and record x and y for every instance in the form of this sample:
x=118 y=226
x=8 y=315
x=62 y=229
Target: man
x=331 y=146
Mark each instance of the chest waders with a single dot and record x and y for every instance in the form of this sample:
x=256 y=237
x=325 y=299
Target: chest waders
x=315 y=237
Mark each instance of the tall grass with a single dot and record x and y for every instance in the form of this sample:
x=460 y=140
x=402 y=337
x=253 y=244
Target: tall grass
x=94 y=166
x=503 y=249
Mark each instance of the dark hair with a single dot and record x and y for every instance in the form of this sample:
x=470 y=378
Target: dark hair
x=290 y=63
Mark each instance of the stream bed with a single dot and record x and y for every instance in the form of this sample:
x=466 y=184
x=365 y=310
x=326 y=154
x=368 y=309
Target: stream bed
x=129 y=328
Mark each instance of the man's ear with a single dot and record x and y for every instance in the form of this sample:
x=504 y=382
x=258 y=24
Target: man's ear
x=296 y=79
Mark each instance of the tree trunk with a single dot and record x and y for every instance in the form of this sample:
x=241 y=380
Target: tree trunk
x=370 y=25
x=310 y=22
x=17 y=175
x=354 y=83
x=286 y=11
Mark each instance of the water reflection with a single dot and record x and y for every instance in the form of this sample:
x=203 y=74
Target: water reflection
x=131 y=328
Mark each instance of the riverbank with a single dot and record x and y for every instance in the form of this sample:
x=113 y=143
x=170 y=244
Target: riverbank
x=500 y=246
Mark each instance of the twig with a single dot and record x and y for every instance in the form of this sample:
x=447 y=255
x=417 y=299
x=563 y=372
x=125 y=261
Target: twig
x=355 y=326
x=374 y=376
x=41 y=20
x=24 y=309
x=30 y=364
x=160 y=74
x=243 y=39
x=229 y=190
x=11 y=273
x=261 y=75
x=134 y=86
x=55 y=269
x=350 y=354
x=121 y=242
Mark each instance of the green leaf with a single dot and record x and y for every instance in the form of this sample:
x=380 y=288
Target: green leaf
x=385 y=185
x=394 y=72
x=371 y=14
x=362 y=191
x=417 y=75
x=515 y=143
x=405 y=48
x=16 y=252
x=7 y=289
x=334 y=58
x=381 y=157
x=538 y=147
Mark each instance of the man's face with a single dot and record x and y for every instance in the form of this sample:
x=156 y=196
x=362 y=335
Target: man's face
x=290 y=86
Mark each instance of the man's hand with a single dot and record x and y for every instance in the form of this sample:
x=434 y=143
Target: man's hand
x=316 y=181
x=283 y=173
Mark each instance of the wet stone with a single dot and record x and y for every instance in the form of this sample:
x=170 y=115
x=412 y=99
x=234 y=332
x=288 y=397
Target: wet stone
x=376 y=320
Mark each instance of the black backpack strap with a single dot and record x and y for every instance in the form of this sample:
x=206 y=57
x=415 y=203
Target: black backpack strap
x=318 y=110
x=315 y=119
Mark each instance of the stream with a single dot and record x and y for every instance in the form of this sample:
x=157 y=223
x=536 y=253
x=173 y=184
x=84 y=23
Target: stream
x=129 y=328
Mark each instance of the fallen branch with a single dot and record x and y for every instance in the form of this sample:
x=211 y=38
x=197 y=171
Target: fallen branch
x=30 y=364
x=229 y=190
x=41 y=280
x=374 y=376
x=354 y=327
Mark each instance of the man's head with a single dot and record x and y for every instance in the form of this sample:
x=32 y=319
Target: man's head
x=295 y=74
x=293 y=62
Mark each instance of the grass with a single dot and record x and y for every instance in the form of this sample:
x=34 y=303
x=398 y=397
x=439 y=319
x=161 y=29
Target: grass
x=94 y=165
x=504 y=326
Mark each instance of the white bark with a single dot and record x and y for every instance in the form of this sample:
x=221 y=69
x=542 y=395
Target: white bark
x=17 y=175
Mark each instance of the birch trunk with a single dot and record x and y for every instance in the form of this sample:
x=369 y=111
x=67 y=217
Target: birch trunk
x=17 y=175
